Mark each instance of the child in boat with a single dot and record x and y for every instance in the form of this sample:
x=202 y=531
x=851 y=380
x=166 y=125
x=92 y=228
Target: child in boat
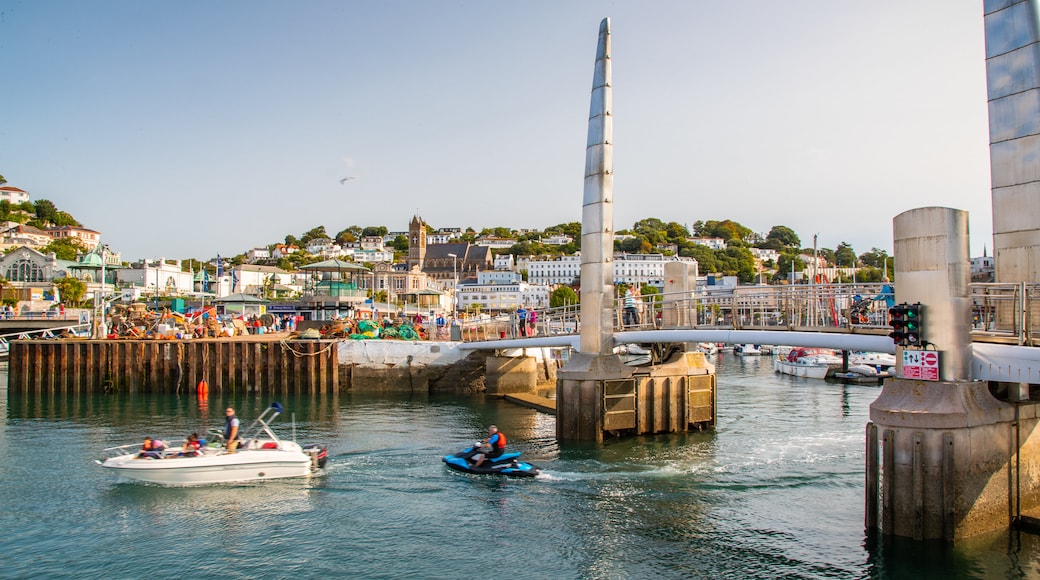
x=191 y=446
x=151 y=449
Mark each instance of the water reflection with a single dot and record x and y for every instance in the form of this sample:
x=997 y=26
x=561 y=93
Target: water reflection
x=775 y=491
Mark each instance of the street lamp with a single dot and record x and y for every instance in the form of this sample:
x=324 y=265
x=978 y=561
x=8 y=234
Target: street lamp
x=455 y=282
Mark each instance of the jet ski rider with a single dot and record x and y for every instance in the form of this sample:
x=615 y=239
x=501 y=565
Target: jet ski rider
x=495 y=445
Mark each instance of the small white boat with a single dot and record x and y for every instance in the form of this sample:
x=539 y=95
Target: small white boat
x=707 y=347
x=632 y=354
x=881 y=361
x=260 y=456
x=813 y=363
x=747 y=349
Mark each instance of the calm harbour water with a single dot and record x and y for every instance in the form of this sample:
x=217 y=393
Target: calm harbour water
x=775 y=491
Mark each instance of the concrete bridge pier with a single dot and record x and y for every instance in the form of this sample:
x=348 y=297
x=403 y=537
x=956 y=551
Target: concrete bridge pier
x=945 y=459
x=596 y=394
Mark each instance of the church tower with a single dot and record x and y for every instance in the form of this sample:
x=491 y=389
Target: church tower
x=416 y=243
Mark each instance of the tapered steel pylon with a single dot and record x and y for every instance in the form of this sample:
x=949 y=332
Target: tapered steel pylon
x=597 y=213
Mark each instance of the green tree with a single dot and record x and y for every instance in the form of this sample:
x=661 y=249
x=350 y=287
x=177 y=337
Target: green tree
x=572 y=229
x=400 y=243
x=869 y=274
x=563 y=296
x=314 y=234
x=676 y=232
x=789 y=262
x=650 y=229
x=64 y=248
x=725 y=229
x=374 y=231
x=71 y=290
x=784 y=236
x=707 y=259
x=348 y=235
x=45 y=210
x=845 y=255
x=875 y=258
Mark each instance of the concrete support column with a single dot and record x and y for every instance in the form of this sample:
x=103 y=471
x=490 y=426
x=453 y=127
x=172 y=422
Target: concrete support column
x=945 y=459
x=933 y=267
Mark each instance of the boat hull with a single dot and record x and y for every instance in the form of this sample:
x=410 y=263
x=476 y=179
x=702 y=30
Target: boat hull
x=245 y=466
x=811 y=371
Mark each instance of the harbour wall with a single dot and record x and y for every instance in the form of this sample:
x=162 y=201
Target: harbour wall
x=374 y=366
x=271 y=365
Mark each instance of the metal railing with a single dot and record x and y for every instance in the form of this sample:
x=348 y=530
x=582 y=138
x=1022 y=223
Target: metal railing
x=1007 y=313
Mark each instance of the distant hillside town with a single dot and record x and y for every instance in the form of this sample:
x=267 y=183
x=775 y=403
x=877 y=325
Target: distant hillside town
x=51 y=259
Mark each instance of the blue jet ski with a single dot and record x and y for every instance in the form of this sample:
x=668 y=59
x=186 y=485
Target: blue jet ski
x=505 y=464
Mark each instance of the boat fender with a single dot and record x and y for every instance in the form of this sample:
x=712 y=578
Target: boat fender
x=202 y=389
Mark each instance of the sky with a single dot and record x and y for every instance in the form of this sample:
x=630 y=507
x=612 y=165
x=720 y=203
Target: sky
x=192 y=128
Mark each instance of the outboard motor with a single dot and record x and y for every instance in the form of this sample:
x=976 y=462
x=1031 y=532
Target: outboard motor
x=319 y=454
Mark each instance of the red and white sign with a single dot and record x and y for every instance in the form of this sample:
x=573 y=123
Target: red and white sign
x=921 y=364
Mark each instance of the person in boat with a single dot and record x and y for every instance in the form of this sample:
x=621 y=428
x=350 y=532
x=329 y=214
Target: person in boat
x=231 y=425
x=151 y=449
x=491 y=447
x=191 y=446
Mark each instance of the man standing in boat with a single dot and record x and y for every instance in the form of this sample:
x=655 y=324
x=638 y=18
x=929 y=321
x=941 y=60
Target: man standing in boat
x=231 y=424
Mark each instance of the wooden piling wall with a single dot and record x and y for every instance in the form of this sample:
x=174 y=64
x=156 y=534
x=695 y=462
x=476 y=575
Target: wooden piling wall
x=160 y=366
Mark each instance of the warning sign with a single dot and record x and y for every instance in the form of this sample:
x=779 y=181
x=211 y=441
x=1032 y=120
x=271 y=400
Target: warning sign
x=921 y=364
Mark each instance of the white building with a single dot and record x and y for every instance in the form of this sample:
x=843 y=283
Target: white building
x=505 y=262
x=283 y=251
x=258 y=254
x=13 y=195
x=556 y=240
x=502 y=297
x=371 y=256
x=983 y=268
x=372 y=243
x=261 y=280
x=161 y=276
x=628 y=269
x=764 y=254
x=24 y=235
x=713 y=243
x=319 y=245
x=498 y=277
x=495 y=243
x=86 y=238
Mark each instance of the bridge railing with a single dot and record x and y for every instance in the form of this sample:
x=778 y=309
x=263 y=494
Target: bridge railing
x=549 y=321
x=797 y=307
x=1010 y=312
x=1000 y=312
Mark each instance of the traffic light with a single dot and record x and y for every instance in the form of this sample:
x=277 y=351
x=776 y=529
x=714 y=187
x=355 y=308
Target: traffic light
x=907 y=322
x=897 y=320
x=914 y=328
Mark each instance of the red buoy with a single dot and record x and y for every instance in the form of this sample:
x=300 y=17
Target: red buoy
x=202 y=389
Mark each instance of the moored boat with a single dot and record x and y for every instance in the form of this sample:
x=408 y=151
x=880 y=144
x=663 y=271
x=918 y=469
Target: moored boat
x=747 y=349
x=260 y=456
x=814 y=363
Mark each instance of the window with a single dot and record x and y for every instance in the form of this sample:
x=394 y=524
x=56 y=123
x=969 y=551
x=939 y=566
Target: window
x=25 y=270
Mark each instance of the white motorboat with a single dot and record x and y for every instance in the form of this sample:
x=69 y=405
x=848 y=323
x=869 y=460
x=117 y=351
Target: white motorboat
x=260 y=456
x=814 y=363
x=747 y=349
x=881 y=361
x=707 y=347
x=633 y=354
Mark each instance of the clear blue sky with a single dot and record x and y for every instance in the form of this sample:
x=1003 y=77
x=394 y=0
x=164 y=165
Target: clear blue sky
x=192 y=128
